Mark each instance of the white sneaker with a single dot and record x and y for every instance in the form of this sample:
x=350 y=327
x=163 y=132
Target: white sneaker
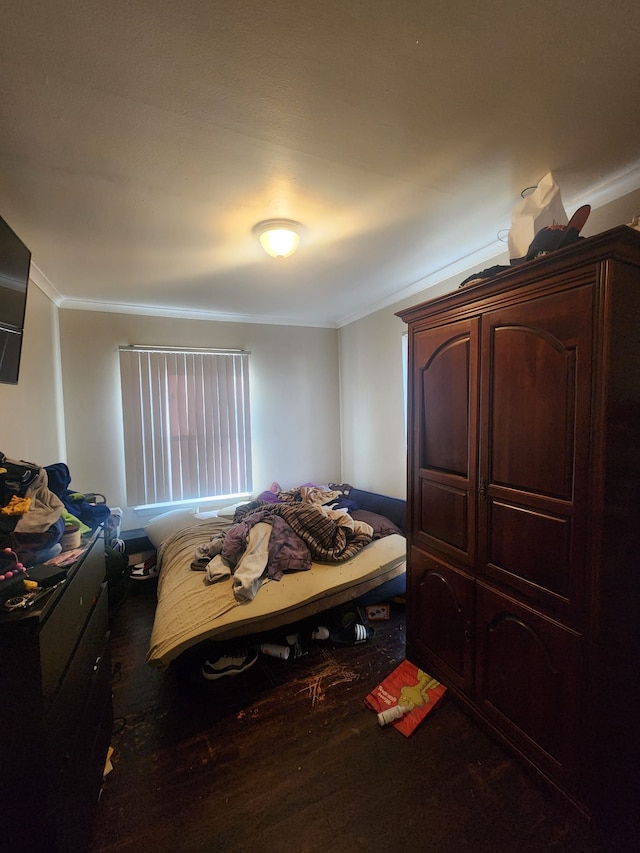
x=232 y=664
x=144 y=571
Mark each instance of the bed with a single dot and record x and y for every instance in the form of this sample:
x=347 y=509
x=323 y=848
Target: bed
x=191 y=610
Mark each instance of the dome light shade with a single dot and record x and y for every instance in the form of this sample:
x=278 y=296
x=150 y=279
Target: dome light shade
x=278 y=237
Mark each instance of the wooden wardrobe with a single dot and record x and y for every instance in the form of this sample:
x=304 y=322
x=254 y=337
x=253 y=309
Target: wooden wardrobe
x=523 y=516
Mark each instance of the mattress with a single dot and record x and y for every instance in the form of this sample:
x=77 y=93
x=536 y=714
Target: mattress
x=190 y=610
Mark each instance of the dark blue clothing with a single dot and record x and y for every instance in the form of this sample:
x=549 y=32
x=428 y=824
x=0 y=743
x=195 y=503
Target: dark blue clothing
x=59 y=481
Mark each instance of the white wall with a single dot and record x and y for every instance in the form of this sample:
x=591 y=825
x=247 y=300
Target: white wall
x=295 y=417
x=31 y=416
x=371 y=386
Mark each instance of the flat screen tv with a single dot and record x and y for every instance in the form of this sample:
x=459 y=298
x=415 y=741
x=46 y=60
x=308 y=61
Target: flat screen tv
x=15 y=261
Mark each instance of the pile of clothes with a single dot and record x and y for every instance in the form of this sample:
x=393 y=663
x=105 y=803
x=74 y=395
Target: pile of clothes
x=36 y=504
x=269 y=538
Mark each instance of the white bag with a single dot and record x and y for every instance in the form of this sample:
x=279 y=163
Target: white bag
x=542 y=208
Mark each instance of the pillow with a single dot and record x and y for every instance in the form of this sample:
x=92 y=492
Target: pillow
x=382 y=526
x=228 y=511
x=171 y=522
x=208 y=513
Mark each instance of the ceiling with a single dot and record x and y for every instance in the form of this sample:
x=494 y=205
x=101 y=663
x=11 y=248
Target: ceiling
x=141 y=141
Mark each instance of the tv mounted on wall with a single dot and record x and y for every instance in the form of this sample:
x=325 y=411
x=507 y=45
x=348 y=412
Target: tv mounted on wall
x=15 y=261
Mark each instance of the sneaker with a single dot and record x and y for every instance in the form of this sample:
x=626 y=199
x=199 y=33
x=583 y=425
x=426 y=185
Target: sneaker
x=351 y=629
x=232 y=664
x=145 y=571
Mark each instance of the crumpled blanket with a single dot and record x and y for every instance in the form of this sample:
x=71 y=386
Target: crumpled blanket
x=310 y=495
x=299 y=532
x=331 y=536
x=287 y=551
x=292 y=534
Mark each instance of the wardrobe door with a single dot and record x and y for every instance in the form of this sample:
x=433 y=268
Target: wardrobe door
x=535 y=425
x=443 y=444
x=527 y=682
x=441 y=620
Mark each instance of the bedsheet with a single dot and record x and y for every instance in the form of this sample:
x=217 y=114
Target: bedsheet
x=190 y=610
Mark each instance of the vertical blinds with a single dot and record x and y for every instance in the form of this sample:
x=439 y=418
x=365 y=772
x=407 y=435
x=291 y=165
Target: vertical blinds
x=187 y=427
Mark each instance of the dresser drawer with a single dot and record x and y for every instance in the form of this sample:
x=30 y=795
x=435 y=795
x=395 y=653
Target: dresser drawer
x=60 y=632
x=65 y=717
x=77 y=732
x=56 y=694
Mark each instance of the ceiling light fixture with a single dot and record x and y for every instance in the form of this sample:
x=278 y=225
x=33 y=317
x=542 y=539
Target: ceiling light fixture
x=278 y=237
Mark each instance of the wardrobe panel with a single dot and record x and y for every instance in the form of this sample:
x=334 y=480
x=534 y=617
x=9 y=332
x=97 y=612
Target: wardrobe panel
x=527 y=679
x=443 y=447
x=445 y=408
x=443 y=513
x=442 y=618
x=530 y=546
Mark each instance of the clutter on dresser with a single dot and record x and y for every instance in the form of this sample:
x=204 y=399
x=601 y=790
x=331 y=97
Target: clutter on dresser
x=48 y=575
x=15 y=478
x=71 y=536
x=12 y=573
x=89 y=509
x=30 y=514
x=42 y=519
x=29 y=599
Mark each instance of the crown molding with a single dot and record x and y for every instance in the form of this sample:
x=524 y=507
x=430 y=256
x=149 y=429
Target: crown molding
x=186 y=314
x=614 y=187
x=611 y=189
x=41 y=281
x=480 y=258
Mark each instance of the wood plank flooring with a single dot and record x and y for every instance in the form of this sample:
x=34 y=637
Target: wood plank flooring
x=286 y=758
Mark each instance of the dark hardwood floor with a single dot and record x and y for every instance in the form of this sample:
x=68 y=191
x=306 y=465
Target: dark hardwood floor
x=286 y=757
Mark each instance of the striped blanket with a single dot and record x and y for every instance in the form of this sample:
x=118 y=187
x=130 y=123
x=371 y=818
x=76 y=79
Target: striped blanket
x=331 y=536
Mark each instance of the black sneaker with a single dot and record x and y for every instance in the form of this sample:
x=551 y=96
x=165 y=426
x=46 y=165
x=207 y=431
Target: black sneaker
x=231 y=664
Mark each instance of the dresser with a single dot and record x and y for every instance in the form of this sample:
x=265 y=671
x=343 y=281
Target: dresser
x=55 y=711
x=523 y=514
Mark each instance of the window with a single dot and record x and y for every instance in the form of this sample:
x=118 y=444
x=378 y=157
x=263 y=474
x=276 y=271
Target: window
x=187 y=430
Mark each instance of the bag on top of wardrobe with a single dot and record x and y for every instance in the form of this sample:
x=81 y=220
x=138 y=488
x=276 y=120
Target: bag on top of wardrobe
x=542 y=208
x=538 y=226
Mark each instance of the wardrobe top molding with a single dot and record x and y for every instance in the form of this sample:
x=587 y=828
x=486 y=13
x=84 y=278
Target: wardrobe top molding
x=572 y=263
